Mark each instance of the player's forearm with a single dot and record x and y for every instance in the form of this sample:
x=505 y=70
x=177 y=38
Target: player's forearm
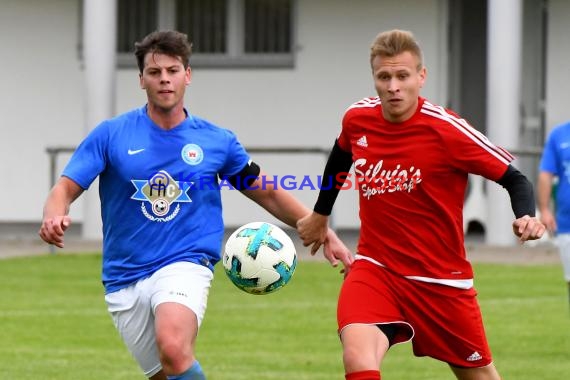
x=339 y=162
x=520 y=191
x=60 y=198
x=285 y=207
x=56 y=203
x=544 y=191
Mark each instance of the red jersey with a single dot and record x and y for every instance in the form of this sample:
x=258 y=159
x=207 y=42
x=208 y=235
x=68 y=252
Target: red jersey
x=412 y=178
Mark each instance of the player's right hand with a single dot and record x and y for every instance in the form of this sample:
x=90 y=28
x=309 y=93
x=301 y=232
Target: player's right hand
x=313 y=230
x=548 y=219
x=53 y=229
x=528 y=228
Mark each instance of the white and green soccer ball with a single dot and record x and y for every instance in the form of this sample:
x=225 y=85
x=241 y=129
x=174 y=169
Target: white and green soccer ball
x=259 y=258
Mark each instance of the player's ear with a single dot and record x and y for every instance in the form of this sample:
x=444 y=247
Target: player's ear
x=188 y=75
x=141 y=81
x=423 y=76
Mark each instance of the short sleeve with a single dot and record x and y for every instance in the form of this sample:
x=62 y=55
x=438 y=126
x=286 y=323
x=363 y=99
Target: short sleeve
x=471 y=151
x=548 y=159
x=90 y=157
x=236 y=156
x=344 y=135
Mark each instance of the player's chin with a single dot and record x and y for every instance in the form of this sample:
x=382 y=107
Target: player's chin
x=165 y=102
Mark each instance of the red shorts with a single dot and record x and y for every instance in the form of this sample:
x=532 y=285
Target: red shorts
x=443 y=322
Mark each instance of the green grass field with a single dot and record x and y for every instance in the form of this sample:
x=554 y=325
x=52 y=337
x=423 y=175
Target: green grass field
x=54 y=325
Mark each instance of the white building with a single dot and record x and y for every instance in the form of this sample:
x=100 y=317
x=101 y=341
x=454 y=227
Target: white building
x=502 y=64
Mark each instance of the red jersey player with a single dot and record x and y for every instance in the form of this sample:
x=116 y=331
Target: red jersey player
x=411 y=279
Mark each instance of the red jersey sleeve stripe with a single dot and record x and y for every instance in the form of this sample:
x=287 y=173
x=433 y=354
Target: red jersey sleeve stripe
x=464 y=127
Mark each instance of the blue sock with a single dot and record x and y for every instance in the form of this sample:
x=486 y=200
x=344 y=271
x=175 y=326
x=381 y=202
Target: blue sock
x=192 y=373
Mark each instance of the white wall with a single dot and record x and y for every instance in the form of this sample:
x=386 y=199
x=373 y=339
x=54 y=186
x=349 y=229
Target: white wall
x=41 y=99
x=557 y=66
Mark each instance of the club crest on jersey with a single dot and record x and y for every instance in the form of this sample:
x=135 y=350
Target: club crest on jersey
x=159 y=194
x=192 y=154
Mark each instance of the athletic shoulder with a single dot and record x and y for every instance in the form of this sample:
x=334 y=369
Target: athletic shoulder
x=561 y=130
x=205 y=125
x=123 y=120
x=438 y=112
x=364 y=106
x=128 y=116
x=444 y=118
x=456 y=131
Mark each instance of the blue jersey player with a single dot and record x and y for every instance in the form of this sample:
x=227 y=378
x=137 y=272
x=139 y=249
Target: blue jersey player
x=159 y=170
x=555 y=163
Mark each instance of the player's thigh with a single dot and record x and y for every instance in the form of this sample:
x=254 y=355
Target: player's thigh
x=179 y=299
x=489 y=372
x=184 y=283
x=370 y=296
x=132 y=315
x=448 y=324
x=176 y=327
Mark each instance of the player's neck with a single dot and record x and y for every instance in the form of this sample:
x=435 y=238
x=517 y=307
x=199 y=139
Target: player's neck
x=166 y=118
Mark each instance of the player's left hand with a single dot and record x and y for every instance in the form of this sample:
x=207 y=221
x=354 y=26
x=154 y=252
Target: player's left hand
x=335 y=250
x=528 y=228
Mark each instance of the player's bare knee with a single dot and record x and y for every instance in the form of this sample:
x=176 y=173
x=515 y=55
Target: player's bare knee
x=175 y=357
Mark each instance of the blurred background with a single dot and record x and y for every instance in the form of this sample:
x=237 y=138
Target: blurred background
x=280 y=74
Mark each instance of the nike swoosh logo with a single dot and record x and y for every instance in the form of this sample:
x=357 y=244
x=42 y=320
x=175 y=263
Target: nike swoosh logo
x=131 y=152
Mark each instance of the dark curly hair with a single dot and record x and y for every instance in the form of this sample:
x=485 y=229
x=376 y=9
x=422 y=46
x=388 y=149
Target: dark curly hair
x=168 y=42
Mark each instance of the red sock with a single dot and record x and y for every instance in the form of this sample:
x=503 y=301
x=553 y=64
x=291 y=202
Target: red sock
x=363 y=375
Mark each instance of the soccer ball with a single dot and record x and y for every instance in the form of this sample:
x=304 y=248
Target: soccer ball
x=259 y=258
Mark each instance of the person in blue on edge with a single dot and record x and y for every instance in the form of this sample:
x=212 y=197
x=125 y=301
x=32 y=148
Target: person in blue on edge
x=159 y=168
x=555 y=163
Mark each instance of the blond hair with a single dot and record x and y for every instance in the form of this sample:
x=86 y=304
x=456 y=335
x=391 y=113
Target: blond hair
x=394 y=42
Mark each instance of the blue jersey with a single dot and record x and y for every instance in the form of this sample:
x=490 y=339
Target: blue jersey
x=556 y=160
x=159 y=190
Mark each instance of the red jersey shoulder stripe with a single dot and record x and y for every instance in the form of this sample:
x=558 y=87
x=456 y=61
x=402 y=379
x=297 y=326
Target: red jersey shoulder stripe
x=366 y=103
x=463 y=126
